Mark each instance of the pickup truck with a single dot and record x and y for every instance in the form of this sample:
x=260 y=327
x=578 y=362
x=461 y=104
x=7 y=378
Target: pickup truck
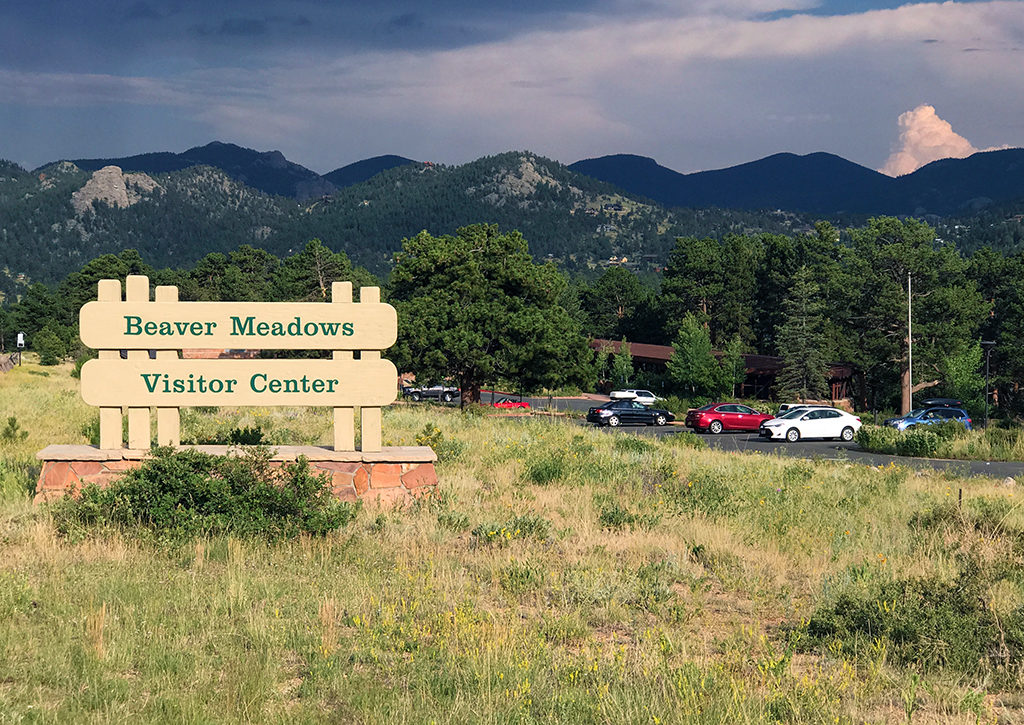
x=434 y=392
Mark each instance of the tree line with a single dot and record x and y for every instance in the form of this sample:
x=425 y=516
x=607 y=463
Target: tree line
x=475 y=307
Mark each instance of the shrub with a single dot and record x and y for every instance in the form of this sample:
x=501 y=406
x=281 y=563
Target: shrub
x=927 y=622
x=883 y=439
x=617 y=518
x=546 y=469
x=446 y=450
x=523 y=526
x=188 y=493
x=49 y=346
x=13 y=432
x=878 y=439
x=917 y=442
x=633 y=444
x=949 y=430
x=248 y=436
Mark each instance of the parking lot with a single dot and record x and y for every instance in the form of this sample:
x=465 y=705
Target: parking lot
x=809 y=449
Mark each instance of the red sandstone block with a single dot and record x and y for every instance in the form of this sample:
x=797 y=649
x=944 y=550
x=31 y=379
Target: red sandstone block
x=388 y=498
x=86 y=468
x=54 y=476
x=420 y=475
x=361 y=480
x=124 y=465
x=340 y=478
x=386 y=475
x=336 y=466
x=345 y=493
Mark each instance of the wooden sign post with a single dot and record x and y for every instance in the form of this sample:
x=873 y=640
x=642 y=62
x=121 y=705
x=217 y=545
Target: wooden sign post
x=152 y=375
x=166 y=382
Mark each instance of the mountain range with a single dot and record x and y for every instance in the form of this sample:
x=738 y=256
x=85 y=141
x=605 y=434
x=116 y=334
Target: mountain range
x=177 y=208
x=816 y=183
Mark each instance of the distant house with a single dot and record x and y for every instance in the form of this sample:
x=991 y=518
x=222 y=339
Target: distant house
x=762 y=370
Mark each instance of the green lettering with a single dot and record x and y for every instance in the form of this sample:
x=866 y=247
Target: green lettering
x=262 y=328
x=330 y=328
x=165 y=329
x=132 y=325
x=347 y=329
x=242 y=328
x=253 y=380
x=277 y=329
x=151 y=379
x=150 y=328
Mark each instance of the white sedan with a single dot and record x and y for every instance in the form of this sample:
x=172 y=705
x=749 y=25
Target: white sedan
x=641 y=396
x=815 y=423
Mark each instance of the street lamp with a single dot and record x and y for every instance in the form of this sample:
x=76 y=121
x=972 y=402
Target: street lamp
x=988 y=345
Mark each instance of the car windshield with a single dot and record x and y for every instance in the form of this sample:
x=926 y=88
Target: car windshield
x=916 y=413
x=709 y=406
x=793 y=413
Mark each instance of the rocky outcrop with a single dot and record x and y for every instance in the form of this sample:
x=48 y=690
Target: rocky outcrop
x=114 y=188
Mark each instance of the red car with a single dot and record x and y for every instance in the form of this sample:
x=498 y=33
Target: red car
x=510 y=403
x=717 y=417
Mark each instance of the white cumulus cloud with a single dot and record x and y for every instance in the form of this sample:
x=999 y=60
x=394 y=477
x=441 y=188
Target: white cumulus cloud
x=924 y=137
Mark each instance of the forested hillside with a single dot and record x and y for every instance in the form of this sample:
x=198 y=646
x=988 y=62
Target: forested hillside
x=54 y=220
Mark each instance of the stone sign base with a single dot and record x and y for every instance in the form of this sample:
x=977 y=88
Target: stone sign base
x=390 y=477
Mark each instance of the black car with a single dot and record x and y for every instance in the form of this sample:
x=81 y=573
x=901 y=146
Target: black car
x=434 y=392
x=628 y=412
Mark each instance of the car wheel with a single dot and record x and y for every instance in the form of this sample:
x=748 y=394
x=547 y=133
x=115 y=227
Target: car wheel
x=447 y=397
x=416 y=397
x=847 y=434
x=792 y=435
x=715 y=427
x=614 y=421
x=660 y=420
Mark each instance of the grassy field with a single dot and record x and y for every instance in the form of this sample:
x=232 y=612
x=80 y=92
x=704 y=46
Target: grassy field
x=563 y=575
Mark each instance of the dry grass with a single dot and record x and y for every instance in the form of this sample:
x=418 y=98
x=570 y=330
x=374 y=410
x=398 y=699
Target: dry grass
x=410 y=617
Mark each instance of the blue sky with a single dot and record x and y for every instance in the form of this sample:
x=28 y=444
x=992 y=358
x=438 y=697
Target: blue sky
x=695 y=84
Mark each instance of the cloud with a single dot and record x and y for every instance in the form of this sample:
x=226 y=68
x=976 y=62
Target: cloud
x=924 y=137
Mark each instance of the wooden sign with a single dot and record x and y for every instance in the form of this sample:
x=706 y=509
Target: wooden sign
x=137 y=325
x=331 y=383
x=238 y=325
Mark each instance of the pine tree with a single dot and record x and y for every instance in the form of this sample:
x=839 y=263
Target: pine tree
x=692 y=366
x=622 y=365
x=802 y=342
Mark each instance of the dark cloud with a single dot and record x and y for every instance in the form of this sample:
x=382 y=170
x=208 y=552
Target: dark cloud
x=405 y=21
x=142 y=11
x=248 y=27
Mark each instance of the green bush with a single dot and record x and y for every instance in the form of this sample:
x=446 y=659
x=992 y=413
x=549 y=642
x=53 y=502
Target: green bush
x=13 y=432
x=523 y=526
x=446 y=450
x=926 y=623
x=917 y=442
x=49 y=346
x=949 y=430
x=883 y=439
x=633 y=444
x=878 y=439
x=547 y=469
x=188 y=493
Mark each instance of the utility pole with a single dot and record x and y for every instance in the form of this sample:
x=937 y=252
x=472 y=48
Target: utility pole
x=910 y=351
x=988 y=345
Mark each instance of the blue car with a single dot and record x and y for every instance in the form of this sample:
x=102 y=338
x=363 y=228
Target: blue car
x=930 y=416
